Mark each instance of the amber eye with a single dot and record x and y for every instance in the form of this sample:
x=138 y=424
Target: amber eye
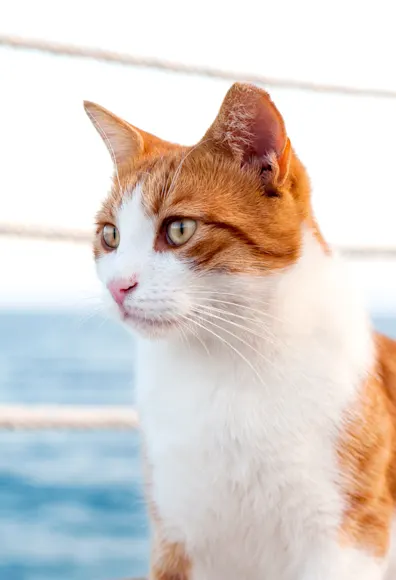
x=180 y=231
x=110 y=236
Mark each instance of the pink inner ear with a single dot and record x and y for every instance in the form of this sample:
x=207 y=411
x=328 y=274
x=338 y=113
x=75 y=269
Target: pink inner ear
x=266 y=130
x=251 y=128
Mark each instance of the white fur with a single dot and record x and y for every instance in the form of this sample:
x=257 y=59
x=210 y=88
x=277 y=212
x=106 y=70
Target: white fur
x=391 y=572
x=243 y=446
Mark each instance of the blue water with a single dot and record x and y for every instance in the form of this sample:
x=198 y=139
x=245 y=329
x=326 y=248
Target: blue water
x=71 y=503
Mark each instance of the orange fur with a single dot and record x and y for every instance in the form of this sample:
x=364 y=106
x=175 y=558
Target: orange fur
x=250 y=220
x=368 y=456
x=169 y=561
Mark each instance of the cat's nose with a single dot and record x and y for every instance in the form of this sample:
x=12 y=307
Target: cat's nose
x=119 y=289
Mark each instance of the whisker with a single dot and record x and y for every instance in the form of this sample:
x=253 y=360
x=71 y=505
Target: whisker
x=256 y=320
x=208 y=310
x=245 y=342
x=202 y=290
x=279 y=341
x=195 y=333
x=239 y=305
x=259 y=320
x=183 y=333
x=179 y=167
x=238 y=296
x=224 y=341
x=268 y=335
x=85 y=317
x=199 y=290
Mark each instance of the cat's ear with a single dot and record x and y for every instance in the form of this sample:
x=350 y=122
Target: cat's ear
x=123 y=141
x=250 y=127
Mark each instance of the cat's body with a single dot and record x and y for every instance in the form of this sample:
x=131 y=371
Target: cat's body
x=255 y=466
x=249 y=464
x=269 y=429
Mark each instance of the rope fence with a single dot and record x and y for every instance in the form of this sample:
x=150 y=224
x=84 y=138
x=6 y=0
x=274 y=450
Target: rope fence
x=78 y=418
x=85 y=237
x=45 y=233
x=109 y=56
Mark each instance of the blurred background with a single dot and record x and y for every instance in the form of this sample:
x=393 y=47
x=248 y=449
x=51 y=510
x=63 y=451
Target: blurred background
x=71 y=501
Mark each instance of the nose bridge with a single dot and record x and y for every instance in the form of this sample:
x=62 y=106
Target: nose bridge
x=137 y=233
x=129 y=260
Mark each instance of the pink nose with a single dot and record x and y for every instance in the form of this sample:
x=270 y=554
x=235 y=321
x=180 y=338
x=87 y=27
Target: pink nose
x=119 y=289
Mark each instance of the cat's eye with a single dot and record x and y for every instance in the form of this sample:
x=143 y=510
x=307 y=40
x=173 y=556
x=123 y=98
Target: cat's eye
x=180 y=231
x=110 y=236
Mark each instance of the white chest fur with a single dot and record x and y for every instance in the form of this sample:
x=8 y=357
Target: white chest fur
x=245 y=471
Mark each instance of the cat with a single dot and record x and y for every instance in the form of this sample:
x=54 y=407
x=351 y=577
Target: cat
x=267 y=402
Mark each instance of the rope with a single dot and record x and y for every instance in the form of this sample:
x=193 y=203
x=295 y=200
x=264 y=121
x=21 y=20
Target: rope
x=78 y=236
x=108 y=56
x=44 y=233
x=367 y=252
x=66 y=417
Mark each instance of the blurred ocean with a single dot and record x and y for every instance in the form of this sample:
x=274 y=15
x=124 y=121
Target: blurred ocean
x=71 y=504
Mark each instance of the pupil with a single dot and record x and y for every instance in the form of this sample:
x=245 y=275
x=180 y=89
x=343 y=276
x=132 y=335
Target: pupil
x=181 y=228
x=114 y=234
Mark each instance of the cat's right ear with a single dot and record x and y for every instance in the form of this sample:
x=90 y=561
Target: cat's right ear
x=123 y=141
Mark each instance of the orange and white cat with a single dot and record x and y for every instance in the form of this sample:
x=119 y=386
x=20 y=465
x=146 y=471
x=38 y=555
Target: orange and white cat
x=267 y=402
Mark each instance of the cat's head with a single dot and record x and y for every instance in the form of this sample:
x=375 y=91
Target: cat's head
x=189 y=237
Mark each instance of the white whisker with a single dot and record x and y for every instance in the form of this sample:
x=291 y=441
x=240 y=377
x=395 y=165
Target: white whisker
x=183 y=332
x=268 y=336
x=262 y=313
x=215 y=313
x=179 y=167
x=224 y=341
x=194 y=333
x=255 y=320
x=245 y=342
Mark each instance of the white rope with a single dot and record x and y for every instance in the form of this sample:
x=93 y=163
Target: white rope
x=79 y=236
x=45 y=233
x=109 y=56
x=24 y=417
x=368 y=252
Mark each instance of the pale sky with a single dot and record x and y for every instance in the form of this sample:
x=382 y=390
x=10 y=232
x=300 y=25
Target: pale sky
x=55 y=170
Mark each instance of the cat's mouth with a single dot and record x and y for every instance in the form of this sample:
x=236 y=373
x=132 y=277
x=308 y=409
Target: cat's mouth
x=146 y=322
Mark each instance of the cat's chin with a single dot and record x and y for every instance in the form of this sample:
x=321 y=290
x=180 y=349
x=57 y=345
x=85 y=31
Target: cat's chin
x=148 y=327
